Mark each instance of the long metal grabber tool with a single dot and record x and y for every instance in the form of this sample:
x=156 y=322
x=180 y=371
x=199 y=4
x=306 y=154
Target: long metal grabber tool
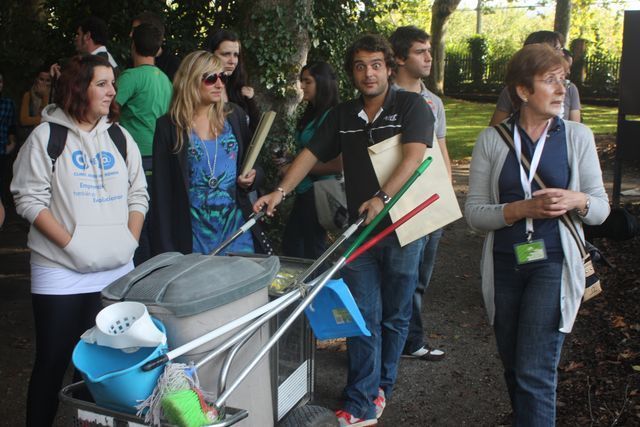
x=250 y=329
x=253 y=218
x=317 y=288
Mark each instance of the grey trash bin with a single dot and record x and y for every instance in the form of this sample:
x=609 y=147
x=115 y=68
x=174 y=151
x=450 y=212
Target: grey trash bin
x=194 y=294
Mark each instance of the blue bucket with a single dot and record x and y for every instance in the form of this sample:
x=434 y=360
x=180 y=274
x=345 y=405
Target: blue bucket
x=115 y=378
x=333 y=313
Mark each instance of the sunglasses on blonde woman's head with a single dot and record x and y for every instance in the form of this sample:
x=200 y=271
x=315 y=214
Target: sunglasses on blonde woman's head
x=210 y=79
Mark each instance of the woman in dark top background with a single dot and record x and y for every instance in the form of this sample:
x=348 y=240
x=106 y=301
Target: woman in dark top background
x=225 y=45
x=304 y=236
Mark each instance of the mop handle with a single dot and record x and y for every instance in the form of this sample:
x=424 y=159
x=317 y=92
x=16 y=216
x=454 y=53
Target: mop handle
x=317 y=288
x=279 y=332
x=365 y=233
x=384 y=233
x=253 y=219
x=227 y=327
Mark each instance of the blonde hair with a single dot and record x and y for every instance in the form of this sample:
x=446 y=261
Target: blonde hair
x=186 y=94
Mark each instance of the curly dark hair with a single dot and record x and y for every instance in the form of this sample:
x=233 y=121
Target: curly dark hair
x=369 y=43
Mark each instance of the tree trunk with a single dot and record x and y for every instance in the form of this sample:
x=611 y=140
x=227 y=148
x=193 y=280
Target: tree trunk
x=563 y=17
x=440 y=13
x=289 y=53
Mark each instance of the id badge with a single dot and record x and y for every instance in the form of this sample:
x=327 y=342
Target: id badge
x=530 y=251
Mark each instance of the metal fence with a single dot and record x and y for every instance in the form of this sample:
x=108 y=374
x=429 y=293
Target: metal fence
x=599 y=78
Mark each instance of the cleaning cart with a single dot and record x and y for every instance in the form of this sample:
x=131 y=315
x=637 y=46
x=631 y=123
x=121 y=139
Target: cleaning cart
x=280 y=385
x=228 y=296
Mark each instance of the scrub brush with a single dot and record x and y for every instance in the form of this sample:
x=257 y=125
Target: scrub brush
x=181 y=380
x=188 y=408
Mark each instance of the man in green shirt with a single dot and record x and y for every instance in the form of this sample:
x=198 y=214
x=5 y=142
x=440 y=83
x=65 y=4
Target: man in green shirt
x=144 y=92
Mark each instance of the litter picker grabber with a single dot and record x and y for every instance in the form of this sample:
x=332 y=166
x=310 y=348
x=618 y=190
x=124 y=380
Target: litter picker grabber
x=241 y=336
x=185 y=348
x=318 y=287
x=284 y=300
x=253 y=219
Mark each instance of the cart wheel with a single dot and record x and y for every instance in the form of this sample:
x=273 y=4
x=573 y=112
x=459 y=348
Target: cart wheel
x=310 y=416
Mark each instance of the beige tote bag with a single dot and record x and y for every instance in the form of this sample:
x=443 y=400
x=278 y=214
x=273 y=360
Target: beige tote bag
x=385 y=157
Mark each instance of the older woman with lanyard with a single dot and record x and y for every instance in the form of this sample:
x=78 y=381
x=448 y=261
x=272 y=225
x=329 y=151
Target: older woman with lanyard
x=532 y=272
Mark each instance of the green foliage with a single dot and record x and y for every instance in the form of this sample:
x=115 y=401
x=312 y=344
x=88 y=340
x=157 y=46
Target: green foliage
x=453 y=72
x=339 y=22
x=478 y=47
x=601 y=24
x=272 y=48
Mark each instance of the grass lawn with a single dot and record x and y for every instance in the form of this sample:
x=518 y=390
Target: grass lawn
x=466 y=119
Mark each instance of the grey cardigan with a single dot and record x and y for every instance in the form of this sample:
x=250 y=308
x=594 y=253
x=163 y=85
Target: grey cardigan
x=484 y=212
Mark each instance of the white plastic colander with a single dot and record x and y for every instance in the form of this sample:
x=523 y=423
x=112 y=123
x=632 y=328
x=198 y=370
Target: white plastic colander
x=126 y=326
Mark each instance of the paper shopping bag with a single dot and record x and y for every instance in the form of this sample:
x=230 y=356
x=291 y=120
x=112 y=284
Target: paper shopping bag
x=385 y=157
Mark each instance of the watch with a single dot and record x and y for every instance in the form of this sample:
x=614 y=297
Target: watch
x=587 y=205
x=382 y=196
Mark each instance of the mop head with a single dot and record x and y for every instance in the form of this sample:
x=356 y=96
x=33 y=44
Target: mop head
x=188 y=408
x=176 y=377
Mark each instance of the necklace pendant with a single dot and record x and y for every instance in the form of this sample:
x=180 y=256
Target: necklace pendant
x=213 y=182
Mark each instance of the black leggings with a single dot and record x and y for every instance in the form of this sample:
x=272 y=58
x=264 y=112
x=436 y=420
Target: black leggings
x=59 y=322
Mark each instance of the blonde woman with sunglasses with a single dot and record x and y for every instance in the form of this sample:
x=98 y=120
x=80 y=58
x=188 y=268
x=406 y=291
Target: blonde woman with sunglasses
x=199 y=198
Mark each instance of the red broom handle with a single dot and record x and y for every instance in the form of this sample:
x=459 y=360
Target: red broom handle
x=384 y=233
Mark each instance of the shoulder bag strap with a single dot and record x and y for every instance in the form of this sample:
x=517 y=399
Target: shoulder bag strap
x=505 y=133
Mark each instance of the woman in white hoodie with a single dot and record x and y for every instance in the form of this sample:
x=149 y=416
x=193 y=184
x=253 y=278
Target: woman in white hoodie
x=86 y=206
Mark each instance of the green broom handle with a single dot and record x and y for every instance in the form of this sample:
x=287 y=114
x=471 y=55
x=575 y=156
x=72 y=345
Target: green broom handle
x=365 y=233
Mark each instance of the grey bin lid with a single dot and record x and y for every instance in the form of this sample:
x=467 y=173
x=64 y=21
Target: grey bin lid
x=186 y=285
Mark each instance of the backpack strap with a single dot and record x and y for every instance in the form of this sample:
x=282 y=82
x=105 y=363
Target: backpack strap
x=118 y=138
x=57 y=141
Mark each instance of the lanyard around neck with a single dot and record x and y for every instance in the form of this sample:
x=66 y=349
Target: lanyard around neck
x=535 y=161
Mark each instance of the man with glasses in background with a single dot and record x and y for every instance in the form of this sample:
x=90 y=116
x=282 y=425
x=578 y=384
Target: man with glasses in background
x=571 y=107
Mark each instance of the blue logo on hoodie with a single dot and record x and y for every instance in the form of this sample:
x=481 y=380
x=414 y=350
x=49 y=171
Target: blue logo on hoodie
x=105 y=160
x=79 y=160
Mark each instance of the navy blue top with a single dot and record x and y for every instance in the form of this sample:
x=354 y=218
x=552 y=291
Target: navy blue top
x=554 y=171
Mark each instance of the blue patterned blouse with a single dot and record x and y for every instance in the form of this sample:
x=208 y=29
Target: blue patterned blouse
x=212 y=193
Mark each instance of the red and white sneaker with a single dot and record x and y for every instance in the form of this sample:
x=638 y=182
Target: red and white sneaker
x=380 y=402
x=346 y=419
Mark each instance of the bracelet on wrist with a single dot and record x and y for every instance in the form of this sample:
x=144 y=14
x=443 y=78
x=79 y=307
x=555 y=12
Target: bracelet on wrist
x=284 y=193
x=382 y=196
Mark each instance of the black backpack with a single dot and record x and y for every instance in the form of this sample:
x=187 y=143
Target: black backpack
x=58 y=139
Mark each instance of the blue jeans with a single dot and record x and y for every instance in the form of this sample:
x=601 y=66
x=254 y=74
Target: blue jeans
x=415 y=339
x=382 y=281
x=527 y=300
